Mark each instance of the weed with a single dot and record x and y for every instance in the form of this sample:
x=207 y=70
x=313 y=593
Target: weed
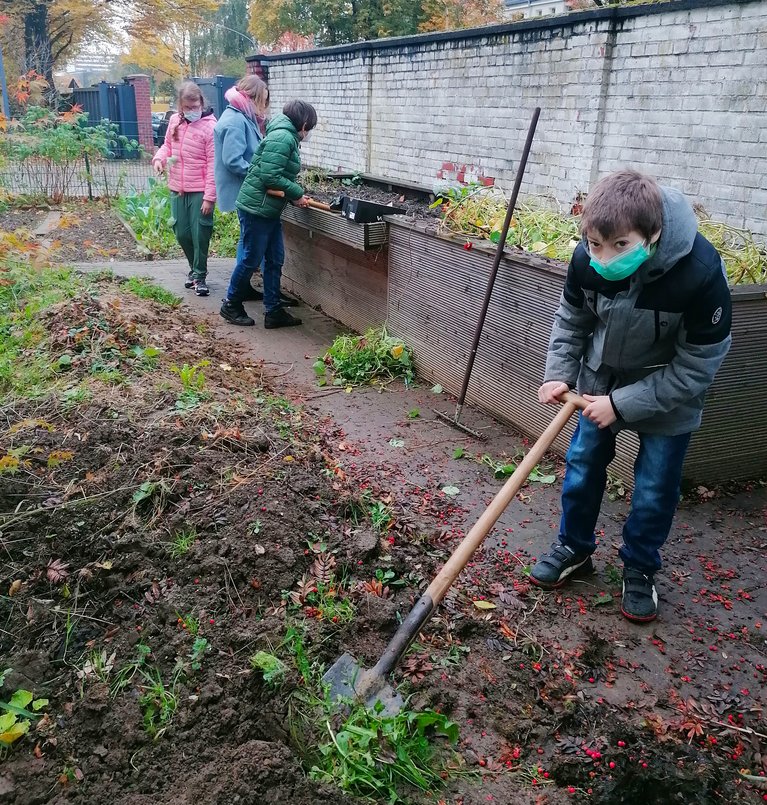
x=127 y=673
x=199 y=649
x=192 y=383
x=255 y=528
x=96 y=665
x=356 y=360
x=189 y=623
x=153 y=494
x=182 y=542
x=616 y=488
x=613 y=575
x=145 y=358
x=414 y=413
x=272 y=668
x=374 y=755
x=17 y=720
x=146 y=289
x=503 y=469
x=294 y=642
x=76 y=396
x=158 y=703
x=381 y=516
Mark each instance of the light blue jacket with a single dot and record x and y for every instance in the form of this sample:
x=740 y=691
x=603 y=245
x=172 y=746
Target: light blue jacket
x=235 y=138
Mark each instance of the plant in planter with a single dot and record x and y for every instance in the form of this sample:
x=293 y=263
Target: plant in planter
x=477 y=211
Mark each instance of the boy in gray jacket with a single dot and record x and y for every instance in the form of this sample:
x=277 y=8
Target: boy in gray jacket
x=642 y=328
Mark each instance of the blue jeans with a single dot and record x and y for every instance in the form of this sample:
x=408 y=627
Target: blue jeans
x=260 y=240
x=238 y=255
x=657 y=477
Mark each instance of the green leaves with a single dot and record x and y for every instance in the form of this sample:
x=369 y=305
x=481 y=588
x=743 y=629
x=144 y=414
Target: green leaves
x=373 y=755
x=369 y=359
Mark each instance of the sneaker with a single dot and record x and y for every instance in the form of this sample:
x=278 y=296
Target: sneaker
x=189 y=281
x=235 y=313
x=201 y=288
x=640 y=598
x=553 y=568
x=280 y=318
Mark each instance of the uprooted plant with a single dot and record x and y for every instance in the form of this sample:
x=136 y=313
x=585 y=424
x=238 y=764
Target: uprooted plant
x=375 y=358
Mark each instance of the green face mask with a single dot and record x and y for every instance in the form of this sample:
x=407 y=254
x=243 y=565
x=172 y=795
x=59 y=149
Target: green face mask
x=622 y=265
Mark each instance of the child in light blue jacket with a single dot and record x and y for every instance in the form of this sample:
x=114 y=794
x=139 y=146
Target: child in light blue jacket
x=236 y=137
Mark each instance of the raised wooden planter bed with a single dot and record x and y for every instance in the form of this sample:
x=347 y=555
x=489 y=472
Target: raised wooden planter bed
x=435 y=292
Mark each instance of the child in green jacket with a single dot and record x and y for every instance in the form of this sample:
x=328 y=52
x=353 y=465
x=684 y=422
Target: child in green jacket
x=275 y=166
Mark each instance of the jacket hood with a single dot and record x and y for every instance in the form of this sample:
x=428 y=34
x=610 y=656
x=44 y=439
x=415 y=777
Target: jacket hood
x=679 y=228
x=281 y=122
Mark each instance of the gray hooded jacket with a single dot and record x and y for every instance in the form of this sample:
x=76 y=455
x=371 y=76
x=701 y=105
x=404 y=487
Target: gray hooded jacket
x=653 y=341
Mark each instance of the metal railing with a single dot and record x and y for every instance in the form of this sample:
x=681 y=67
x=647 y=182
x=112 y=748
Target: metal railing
x=81 y=178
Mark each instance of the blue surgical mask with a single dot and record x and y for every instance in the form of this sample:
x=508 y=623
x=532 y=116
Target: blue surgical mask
x=191 y=117
x=624 y=264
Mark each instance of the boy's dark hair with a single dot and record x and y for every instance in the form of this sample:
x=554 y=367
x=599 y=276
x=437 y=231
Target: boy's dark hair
x=301 y=114
x=623 y=201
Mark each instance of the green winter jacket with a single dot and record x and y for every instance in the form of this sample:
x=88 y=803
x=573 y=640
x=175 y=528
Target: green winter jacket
x=275 y=166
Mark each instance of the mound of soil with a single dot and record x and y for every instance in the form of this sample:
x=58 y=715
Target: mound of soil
x=160 y=532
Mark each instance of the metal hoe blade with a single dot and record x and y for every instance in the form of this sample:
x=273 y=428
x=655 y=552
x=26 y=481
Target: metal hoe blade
x=350 y=682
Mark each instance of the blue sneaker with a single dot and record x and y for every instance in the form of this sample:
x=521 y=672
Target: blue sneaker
x=554 y=568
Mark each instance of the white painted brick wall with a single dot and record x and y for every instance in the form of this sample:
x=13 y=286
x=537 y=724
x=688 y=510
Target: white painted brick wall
x=686 y=101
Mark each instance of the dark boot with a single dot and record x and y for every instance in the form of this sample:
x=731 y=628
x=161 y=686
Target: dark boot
x=235 y=313
x=280 y=318
x=288 y=301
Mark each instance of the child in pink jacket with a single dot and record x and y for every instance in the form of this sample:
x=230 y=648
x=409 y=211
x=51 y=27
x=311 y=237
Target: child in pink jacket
x=189 y=156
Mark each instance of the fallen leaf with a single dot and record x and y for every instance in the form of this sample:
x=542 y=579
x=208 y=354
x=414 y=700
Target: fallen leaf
x=260 y=549
x=436 y=389
x=14 y=588
x=484 y=605
x=57 y=571
x=397 y=442
x=451 y=491
x=225 y=367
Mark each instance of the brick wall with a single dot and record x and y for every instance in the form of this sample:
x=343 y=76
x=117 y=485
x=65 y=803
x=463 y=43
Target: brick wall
x=677 y=89
x=141 y=87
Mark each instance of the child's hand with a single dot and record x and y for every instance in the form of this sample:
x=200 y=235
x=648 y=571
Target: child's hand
x=302 y=202
x=550 y=392
x=600 y=411
x=207 y=207
x=158 y=167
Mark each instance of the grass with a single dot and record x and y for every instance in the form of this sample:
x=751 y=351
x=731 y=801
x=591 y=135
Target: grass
x=182 y=541
x=146 y=289
x=372 y=358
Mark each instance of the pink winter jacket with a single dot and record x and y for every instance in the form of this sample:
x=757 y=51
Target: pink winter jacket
x=192 y=169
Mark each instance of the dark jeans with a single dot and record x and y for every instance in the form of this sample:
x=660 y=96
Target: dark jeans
x=261 y=240
x=657 y=476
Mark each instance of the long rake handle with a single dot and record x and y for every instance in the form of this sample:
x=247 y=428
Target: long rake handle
x=497 y=262
x=442 y=582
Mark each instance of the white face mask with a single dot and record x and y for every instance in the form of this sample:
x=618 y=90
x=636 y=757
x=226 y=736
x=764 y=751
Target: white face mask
x=307 y=137
x=191 y=117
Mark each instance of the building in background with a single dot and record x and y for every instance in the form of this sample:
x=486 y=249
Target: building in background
x=524 y=9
